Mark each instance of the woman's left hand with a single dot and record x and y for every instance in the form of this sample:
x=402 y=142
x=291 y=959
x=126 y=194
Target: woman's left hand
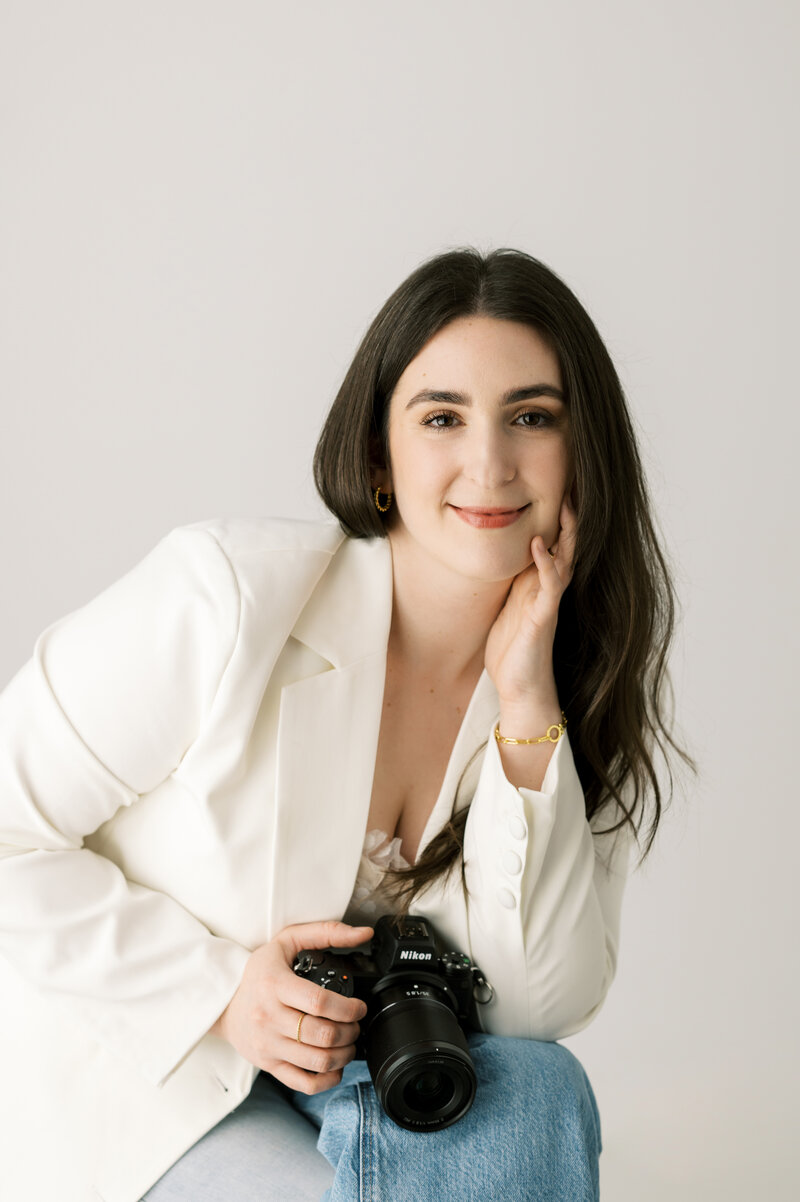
x=519 y=650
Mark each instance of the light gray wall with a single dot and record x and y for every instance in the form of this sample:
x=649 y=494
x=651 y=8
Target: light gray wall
x=202 y=206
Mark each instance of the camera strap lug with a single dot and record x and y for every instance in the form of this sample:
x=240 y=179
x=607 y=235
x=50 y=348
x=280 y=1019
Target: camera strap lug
x=482 y=991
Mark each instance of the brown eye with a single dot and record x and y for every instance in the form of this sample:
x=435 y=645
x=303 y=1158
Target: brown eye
x=534 y=419
x=439 y=421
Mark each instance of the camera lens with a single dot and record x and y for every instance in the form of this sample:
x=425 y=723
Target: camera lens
x=428 y=1092
x=419 y=1059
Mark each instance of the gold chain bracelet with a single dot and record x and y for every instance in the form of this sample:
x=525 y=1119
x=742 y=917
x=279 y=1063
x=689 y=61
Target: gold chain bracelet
x=554 y=733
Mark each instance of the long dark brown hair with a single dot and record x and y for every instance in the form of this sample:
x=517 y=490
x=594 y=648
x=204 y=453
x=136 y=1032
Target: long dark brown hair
x=616 y=618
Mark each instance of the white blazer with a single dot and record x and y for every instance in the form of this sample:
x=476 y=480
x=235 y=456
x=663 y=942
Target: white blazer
x=185 y=767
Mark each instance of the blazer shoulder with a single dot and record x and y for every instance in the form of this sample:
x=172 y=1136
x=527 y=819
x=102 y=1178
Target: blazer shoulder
x=277 y=564
x=242 y=536
x=301 y=578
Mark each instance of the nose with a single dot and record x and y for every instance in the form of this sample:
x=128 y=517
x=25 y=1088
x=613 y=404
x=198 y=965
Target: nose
x=489 y=462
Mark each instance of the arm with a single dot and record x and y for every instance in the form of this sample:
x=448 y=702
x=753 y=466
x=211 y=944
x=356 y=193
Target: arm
x=544 y=891
x=111 y=700
x=544 y=898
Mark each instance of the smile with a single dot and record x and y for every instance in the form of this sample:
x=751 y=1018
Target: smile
x=488 y=518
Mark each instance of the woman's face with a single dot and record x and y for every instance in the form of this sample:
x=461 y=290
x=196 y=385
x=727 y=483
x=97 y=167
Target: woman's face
x=479 y=449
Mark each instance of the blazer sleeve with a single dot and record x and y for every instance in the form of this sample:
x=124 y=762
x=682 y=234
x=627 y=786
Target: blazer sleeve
x=544 y=893
x=104 y=711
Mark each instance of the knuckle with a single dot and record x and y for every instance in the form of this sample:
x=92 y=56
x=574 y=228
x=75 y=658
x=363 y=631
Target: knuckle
x=322 y=1062
x=316 y=1002
x=327 y=1036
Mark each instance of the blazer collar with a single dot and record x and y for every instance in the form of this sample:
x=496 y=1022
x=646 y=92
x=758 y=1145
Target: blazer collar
x=347 y=617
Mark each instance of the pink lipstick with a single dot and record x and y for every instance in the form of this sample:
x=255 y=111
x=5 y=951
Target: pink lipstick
x=487 y=518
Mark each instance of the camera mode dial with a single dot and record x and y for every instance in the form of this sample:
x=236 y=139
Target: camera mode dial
x=324 y=971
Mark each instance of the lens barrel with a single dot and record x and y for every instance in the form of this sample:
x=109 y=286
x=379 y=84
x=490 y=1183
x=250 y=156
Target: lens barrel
x=419 y=1058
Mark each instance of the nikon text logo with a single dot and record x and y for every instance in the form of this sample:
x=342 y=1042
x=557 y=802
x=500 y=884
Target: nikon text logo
x=407 y=955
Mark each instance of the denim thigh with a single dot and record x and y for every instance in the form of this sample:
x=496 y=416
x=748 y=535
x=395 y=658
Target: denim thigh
x=532 y=1133
x=263 y=1151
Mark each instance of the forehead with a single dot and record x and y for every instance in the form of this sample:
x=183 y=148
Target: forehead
x=485 y=352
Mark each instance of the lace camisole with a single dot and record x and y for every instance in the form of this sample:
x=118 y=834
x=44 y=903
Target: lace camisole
x=369 y=900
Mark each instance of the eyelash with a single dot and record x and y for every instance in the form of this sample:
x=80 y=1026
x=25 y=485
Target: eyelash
x=546 y=419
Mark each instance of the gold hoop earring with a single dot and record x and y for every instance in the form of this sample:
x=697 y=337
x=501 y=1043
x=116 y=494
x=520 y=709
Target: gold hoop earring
x=378 y=506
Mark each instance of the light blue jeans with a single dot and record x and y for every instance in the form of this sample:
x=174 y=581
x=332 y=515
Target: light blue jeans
x=531 y=1135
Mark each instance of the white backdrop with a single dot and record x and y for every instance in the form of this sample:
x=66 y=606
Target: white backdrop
x=202 y=207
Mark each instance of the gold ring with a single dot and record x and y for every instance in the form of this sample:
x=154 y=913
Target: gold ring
x=299 y=1025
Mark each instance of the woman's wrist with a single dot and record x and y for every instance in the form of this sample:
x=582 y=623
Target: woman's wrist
x=522 y=718
x=525 y=764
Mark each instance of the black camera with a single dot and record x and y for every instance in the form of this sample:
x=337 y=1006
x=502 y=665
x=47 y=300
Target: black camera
x=420 y=1001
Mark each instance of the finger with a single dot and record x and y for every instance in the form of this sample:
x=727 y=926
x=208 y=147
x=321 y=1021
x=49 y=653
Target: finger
x=302 y=935
x=318 y=1032
x=568 y=515
x=565 y=547
x=549 y=577
x=304 y=996
x=313 y=1059
x=306 y=1082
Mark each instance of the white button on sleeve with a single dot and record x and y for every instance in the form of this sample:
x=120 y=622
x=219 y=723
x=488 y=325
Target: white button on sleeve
x=512 y=864
x=506 y=898
x=517 y=826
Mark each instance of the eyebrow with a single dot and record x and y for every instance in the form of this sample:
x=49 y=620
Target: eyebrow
x=508 y=398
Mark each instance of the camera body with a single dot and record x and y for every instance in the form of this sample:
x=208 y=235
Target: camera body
x=421 y=1000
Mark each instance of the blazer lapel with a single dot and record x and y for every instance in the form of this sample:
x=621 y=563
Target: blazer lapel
x=464 y=765
x=328 y=738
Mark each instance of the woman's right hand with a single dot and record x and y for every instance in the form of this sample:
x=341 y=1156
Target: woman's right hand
x=260 y=1021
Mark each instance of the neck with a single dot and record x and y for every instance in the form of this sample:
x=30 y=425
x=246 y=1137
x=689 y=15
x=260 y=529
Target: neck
x=440 y=621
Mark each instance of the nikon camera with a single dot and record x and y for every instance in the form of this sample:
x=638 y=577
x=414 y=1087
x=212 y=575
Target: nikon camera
x=420 y=1001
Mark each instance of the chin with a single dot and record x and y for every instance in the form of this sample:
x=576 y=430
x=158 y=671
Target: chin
x=493 y=568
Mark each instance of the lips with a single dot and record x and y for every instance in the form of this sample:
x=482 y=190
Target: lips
x=488 y=517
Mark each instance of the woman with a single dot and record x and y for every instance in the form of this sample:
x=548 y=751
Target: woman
x=465 y=672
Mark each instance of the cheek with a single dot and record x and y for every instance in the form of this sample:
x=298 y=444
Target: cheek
x=419 y=476
x=552 y=470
